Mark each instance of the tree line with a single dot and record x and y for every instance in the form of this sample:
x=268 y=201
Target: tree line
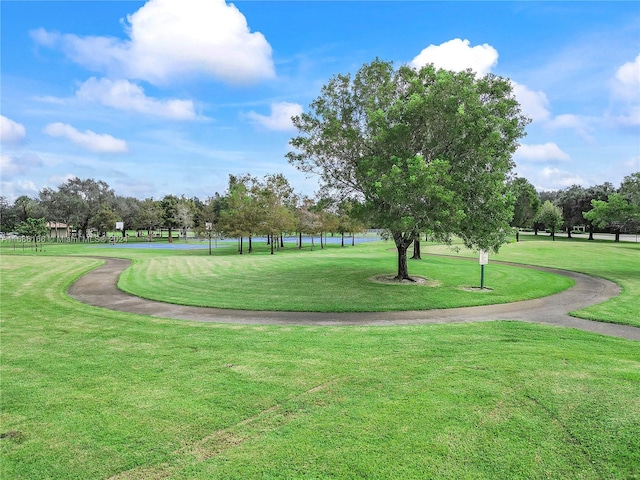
x=266 y=207
x=269 y=207
x=603 y=207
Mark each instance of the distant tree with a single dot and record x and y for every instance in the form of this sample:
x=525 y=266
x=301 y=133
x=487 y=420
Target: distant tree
x=149 y=215
x=127 y=208
x=277 y=200
x=8 y=217
x=209 y=213
x=184 y=215
x=84 y=199
x=240 y=217
x=419 y=149
x=25 y=207
x=630 y=189
x=104 y=221
x=526 y=203
x=347 y=223
x=616 y=213
x=170 y=220
x=551 y=217
x=571 y=201
x=597 y=192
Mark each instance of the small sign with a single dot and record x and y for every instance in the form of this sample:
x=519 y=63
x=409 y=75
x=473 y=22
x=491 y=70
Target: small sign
x=484 y=257
x=208 y=225
x=119 y=225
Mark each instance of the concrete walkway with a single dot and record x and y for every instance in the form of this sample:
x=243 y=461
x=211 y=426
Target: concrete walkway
x=99 y=288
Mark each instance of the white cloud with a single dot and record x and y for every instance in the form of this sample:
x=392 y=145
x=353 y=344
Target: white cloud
x=626 y=83
x=10 y=131
x=458 y=55
x=12 y=165
x=547 y=152
x=280 y=118
x=580 y=124
x=60 y=179
x=170 y=40
x=535 y=105
x=88 y=140
x=560 y=179
x=12 y=190
x=625 y=109
x=127 y=96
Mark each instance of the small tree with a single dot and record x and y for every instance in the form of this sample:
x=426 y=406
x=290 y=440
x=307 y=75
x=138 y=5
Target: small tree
x=551 y=217
x=33 y=228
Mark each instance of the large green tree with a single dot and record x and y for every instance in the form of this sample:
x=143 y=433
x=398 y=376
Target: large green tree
x=420 y=150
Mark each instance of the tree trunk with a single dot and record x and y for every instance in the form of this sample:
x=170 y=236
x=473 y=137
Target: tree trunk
x=517 y=235
x=402 y=244
x=416 y=250
x=403 y=271
x=240 y=249
x=250 y=244
x=321 y=243
x=553 y=235
x=353 y=239
x=281 y=241
x=170 y=235
x=272 y=242
x=300 y=240
x=590 y=232
x=617 y=237
x=342 y=240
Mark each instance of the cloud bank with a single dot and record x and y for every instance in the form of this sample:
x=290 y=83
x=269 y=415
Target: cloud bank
x=170 y=40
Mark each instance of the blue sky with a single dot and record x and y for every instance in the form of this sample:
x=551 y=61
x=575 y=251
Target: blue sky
x=170 y=96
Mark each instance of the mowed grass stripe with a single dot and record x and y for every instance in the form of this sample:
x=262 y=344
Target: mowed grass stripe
x=332 y=281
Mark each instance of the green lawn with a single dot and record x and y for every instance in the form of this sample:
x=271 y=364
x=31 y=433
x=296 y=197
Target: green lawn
x=335 y=279
x=618 y=262
x=92 y=393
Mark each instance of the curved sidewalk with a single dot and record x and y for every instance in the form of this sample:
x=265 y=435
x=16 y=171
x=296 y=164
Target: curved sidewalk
x=99 y=288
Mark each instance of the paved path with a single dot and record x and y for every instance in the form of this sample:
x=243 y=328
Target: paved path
x=99 y=288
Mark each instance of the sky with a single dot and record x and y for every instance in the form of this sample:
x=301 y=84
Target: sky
x=171 y=97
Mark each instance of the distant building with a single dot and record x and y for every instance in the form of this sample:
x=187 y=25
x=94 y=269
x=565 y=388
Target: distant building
x=58 y=230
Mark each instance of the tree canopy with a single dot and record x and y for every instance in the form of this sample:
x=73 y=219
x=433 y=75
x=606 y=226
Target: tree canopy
x=419 y=150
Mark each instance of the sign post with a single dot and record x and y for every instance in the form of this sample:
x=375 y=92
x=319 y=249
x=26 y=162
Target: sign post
x=483 y=260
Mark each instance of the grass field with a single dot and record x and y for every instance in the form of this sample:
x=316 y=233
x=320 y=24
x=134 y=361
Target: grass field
x=334 y=279
x=618 y=262
x=91 y=393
